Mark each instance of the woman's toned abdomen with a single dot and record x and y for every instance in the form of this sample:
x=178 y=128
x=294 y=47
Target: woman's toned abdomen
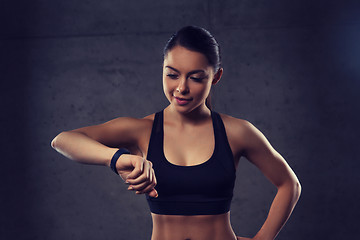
x=202 y=227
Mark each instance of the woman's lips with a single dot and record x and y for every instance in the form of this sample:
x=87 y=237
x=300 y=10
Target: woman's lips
x=182 y=101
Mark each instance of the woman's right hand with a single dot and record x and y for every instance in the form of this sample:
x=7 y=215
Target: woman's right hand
x=138 y=173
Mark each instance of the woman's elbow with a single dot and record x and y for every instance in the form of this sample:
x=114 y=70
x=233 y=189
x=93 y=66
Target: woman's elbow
x=55 y=142
x=293 y=187
x=298 y=188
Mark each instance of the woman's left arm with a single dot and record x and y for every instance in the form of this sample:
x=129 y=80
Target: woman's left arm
x=258 y=150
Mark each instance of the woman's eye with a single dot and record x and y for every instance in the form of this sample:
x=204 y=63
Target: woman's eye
x=197 y=79
x=172 y=76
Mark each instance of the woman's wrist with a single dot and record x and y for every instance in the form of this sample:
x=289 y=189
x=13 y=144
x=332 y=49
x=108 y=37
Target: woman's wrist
x=116 y=157
x=109 y=155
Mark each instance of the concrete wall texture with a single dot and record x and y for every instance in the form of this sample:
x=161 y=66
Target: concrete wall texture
x=292 y=68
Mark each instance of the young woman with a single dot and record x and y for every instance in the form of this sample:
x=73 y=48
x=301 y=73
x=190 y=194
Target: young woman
x=184 y=157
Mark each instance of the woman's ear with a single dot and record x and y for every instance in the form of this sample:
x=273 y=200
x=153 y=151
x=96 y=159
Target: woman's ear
x=217 y=76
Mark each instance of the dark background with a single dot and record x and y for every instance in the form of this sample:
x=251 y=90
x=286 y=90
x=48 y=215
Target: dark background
x=292 y=68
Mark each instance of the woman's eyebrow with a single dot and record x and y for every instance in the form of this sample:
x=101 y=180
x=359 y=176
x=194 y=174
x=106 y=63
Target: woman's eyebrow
x=189 y=73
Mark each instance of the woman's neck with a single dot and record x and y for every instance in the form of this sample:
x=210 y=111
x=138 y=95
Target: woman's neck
x=195 y=117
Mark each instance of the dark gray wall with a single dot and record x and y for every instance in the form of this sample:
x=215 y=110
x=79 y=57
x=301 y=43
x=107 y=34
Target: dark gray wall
x=292 y=68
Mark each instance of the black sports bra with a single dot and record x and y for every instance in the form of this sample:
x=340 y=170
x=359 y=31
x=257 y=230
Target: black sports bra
x=203 y=189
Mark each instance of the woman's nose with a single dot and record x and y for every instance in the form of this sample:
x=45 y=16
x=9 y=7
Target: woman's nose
x=182 y=87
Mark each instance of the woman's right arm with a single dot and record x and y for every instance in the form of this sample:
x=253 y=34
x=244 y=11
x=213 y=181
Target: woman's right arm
x=81 y=148
x=97 y=144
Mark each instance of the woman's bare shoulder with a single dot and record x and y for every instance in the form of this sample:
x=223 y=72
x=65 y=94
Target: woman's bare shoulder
x=235 y=124
x=240 y=132
x=245 y=133
x=150 y=117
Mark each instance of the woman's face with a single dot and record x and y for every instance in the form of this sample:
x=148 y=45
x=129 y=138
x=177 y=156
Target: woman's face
x=187 y=79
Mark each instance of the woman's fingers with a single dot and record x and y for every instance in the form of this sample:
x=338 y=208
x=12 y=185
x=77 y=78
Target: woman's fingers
x=144 y=188
x=151 y=170
x=143 y=182
x=144 y=176
x=138 y=173
x=138 y=164
x=147 y=187
x=153 y=193
x=153 y=176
